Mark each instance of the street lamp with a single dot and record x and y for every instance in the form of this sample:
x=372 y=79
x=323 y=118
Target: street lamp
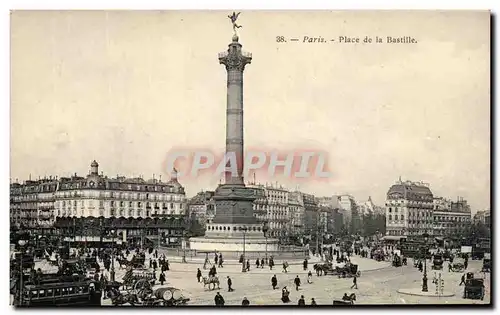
x=265 y=228
x=21 y=243
x=424 y=279
x=112 y=272
x=244 y=230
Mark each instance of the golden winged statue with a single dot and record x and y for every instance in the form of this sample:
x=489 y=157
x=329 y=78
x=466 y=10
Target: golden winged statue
x=233 y=19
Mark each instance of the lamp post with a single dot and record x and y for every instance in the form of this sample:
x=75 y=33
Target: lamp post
x=112 y=272
x=244 y=230
x=265 y=228
x=424 y=278
x=21 y=243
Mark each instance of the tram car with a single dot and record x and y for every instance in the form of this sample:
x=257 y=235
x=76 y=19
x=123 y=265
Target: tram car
x=84 y=293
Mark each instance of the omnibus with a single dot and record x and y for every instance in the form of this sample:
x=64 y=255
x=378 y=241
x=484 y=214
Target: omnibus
x=80 y=293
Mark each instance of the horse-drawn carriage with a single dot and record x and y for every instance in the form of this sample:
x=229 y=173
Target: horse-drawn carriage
x=474 y=288
x=458 y=265
x=132 y=276
x=348 y=271
x=138 y=261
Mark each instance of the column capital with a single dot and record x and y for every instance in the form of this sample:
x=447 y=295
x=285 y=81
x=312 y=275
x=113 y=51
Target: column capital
x=234 y=58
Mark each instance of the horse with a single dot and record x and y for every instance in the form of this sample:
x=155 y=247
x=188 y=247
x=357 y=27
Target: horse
x=123 y=263
x=321 y=269
x=349 y=298
x=212 y=280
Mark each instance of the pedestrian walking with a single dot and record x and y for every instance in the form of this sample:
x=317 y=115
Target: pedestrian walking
x=297 y=282
x=354 y=282
x=309 y=277
x=313 y=302
x=285 y=266
x=245 y=302
x=162 y=278
x=216 y=259
x=150 y=263
x=220 y=261
x=198 y=275
x=229 y=285
x=248 y=264
x=257 y=263
x=301 y=301
x=274 y=282
x=305 y=264
x=463 y=280
x=167 y=265
x=219 y=300
x=262 y=263
x=271 y=263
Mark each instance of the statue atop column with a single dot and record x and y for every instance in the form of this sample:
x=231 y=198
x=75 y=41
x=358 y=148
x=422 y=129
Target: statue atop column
x=233 y=19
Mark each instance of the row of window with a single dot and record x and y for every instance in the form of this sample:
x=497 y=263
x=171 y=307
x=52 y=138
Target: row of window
x=228 y=228
x=112 y=212
x=112 y=203
x=120 y=195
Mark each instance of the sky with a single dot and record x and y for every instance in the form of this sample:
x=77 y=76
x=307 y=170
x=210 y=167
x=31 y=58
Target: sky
x=127 y=87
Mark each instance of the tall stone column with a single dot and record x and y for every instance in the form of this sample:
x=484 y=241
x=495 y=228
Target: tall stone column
x=235 y=61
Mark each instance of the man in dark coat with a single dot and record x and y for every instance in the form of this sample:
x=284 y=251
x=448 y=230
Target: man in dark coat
x=162 y=278
x=301 y=301
x=150 y=263
x=167 y=265
x=297 y=282
x=262 y=263
x=313 y=302
x=248 y=264
x=198 y=275
x=216 y=259
x=274 y=282
x=245 y=302
x=219 y=300
x=257 y=263
x=305 y=264
x=229 y=284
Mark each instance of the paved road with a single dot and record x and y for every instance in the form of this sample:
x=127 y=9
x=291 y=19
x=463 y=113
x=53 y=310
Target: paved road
x=374 y=287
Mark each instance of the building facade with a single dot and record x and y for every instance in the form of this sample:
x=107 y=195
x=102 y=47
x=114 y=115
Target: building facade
x=41 y=203
x=412 y=209
x=451 y=219
x=271 y=206
x=409 y=207
x=202 y=207
x=297 y=212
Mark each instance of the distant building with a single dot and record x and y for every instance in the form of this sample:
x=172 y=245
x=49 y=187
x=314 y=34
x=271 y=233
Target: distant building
x=450 y=218
x=409 y=208
x=297 y=212
x=202 y=207
x=483 y=217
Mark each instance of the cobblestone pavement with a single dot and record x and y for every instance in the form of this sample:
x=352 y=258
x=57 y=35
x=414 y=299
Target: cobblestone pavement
x=376 y=286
